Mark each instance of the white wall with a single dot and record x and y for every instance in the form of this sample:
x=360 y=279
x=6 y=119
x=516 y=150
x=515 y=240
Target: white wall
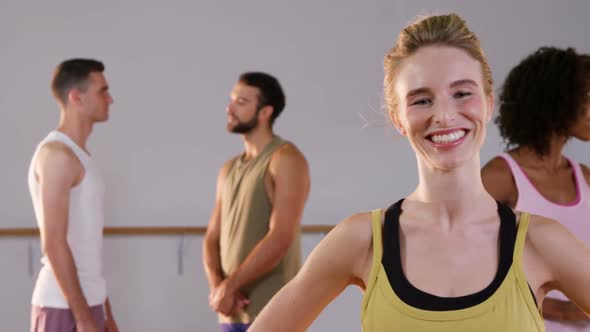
x=171 y=65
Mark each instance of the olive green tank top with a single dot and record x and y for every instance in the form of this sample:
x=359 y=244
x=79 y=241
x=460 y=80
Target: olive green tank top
x=245 y=216
x=511 y=308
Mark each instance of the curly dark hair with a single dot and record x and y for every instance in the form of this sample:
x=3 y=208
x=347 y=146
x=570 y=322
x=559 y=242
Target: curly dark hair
x=542 y=97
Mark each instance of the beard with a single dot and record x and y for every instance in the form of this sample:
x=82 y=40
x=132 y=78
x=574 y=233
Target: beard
x=245 y=127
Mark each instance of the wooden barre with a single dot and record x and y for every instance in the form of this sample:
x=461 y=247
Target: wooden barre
x=27 y=232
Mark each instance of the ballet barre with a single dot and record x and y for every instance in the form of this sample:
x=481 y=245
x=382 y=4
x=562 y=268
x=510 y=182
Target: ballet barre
x=140 y=231
x=155 y=230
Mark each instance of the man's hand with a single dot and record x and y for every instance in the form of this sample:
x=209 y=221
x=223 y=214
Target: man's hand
x=225 y=299
x=241 y=301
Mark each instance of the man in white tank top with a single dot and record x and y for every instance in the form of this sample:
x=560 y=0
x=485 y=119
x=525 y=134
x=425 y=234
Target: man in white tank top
x=67 y=191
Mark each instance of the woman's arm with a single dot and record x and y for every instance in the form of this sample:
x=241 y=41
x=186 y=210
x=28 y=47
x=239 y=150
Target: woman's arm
x=342 y=258
x=565 y=257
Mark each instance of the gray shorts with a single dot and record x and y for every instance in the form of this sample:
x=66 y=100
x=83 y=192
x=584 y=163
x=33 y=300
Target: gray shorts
x=44 y=319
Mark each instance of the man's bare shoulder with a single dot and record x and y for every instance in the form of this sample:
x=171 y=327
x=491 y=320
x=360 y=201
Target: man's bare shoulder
x=56 y=163
x=289 y=150
x=56 y=147
x=56 y=153
x=287 y=155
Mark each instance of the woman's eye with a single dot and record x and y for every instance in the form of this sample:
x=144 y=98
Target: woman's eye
x=462 y=94
x=421 y=102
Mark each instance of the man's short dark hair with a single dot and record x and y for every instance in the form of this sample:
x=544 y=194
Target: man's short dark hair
x=271 y=93
x=71 y=74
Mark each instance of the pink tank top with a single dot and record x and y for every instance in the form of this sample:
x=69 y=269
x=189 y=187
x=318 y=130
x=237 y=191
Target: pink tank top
x=575 y=215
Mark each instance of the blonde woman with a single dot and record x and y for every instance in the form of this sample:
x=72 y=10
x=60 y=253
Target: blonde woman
x=447 y=257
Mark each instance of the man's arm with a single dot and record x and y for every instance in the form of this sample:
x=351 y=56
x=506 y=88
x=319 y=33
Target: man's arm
x=110 y=324
x=290 y=173
x=58 y=170
x=211 y=259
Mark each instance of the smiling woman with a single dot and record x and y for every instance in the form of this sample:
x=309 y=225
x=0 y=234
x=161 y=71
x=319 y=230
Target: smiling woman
x=443 y=109
x=448 y=257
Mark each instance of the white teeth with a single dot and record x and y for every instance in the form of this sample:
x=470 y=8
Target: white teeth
x=448 y=138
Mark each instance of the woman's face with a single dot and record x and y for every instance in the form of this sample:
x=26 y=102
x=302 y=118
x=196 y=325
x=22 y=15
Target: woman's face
x=443 y=109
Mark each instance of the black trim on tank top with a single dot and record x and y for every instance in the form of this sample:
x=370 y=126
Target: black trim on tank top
x=419 y=299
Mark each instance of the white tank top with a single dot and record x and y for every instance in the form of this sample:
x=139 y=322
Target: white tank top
x=84 y=234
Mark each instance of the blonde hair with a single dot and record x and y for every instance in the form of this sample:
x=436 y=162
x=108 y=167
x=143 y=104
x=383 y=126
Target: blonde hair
x=443 y=30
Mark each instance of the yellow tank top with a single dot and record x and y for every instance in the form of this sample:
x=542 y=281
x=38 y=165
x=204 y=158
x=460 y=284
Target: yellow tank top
x=510 y=309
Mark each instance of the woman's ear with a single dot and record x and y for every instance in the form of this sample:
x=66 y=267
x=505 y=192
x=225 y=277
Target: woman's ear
x=490 y=104
x=397 y=123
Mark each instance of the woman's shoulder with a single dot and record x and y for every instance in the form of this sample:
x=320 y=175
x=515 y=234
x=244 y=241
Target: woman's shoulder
x=498 y=180
x=355 y=229
x=547 y=235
